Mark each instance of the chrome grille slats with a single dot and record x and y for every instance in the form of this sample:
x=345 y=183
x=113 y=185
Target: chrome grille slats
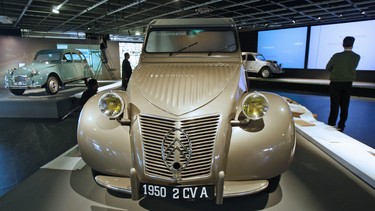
x=153 y=130
x=201 y=132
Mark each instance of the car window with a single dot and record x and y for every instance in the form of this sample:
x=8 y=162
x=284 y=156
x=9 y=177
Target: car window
x=191 y=40
x=48 y=57
x=76 y=57
x=250 y=58
x=67 y=57
x=243 y=57
x=260 y=57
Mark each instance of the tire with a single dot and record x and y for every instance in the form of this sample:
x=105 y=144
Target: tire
x=17 y=91
x=265 y=72
x=273 y=183
x=52 y=85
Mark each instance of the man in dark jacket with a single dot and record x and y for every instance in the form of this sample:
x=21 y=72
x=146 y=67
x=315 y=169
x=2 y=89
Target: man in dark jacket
x=92 y=89
x=342 y=66
x=126 y=71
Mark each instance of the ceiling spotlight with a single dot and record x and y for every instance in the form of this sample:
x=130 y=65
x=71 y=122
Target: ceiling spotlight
x=340 y=16
x=293 y=21
x=319 y=18
x=55 y=10
x=363 y=13
x=202 y=10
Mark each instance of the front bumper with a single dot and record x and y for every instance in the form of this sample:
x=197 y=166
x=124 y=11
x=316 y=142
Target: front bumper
x=20 y=82
x=277 y=70
x=223 y=189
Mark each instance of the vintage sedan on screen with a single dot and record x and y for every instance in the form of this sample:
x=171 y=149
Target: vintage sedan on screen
x=256 y=63
x=187 y=128
x=50 y=69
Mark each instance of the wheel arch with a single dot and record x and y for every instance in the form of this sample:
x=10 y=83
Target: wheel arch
x=56 y=76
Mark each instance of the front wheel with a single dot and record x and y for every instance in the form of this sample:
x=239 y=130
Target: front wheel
x=17 y=91
x=265 y=72
x=52 y=85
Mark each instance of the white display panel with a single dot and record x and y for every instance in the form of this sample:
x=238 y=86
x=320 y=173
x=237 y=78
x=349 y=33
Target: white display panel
x=286 y=46
x=326 y=40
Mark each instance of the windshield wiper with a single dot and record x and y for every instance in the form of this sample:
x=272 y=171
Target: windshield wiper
x=184 y=48
x=225 y=47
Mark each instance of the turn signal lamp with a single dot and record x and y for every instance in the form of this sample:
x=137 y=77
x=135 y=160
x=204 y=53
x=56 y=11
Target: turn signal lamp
x=255 y=105
x=111 y=105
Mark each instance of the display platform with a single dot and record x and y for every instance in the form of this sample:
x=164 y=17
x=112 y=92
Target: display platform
x=314 y=182
x=360 y=89
x=36 y=103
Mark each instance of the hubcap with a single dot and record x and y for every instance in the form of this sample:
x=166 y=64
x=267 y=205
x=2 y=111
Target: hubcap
x=53 y=85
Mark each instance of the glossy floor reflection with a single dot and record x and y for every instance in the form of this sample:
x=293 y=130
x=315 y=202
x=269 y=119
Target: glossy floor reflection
x=314 y=182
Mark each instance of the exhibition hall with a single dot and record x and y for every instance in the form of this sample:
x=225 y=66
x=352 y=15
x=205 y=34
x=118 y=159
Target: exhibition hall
x=187 y=105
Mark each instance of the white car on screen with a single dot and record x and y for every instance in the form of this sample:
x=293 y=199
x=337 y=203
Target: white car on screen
x=256 y=63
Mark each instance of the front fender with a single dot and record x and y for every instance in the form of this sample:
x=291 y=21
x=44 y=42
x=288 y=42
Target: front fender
x=104 y=144
x=265 y=148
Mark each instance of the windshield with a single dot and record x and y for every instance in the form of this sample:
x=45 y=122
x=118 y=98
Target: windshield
x=47 y=57
x=260 y=57
x=191 y=40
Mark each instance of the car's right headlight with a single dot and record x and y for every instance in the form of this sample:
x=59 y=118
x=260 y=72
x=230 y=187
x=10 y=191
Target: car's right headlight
x=111 y=104
x=255 y=105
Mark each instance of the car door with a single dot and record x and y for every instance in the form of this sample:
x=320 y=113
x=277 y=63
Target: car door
x=249 y=63
x=68 y=71
x=78 y=65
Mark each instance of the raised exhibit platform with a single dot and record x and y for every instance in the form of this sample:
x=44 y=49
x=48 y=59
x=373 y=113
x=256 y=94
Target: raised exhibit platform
x=36 y=103
x=360 y=89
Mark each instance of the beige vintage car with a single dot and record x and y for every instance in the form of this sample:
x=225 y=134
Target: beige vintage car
x=187 y=128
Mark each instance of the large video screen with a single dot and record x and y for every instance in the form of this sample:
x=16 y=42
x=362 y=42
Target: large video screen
x=326 y=40
x=286 y=46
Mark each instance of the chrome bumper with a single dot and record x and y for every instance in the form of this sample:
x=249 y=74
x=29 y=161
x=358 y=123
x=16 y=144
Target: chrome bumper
x=224 y=189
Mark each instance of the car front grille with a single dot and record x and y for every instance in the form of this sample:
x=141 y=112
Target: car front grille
x=200 y=131
x=20 y=80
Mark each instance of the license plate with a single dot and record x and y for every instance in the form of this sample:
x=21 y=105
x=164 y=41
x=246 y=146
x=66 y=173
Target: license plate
x=178 y=192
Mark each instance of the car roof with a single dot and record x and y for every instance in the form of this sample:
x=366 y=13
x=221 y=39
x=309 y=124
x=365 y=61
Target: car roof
x=253 y=53
x=192 y=22
x=58 y=51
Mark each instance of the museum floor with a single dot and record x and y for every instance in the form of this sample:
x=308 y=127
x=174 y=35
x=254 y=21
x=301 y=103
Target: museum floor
x=314 y=181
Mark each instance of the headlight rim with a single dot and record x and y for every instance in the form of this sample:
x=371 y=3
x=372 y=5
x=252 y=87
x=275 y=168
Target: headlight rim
x=265 y=109
x=118 y=97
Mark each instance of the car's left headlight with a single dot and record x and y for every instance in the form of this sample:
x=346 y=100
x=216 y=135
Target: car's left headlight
x=34 y=72
x=11 y=71
x=111 y=104
x=255 y=105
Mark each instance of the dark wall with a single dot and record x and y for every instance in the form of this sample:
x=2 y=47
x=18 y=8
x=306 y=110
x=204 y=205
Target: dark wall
x=249 y=41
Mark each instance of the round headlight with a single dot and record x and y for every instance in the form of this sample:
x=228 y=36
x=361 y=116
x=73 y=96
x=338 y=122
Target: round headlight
x=34 y=72
x=111 y=105
x=255 y=105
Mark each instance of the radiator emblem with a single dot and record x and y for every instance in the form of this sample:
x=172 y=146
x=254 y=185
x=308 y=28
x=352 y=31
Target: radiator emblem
x=176 y=150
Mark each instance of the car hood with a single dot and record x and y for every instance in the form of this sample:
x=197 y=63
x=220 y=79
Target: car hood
x=181 y=88
x=35 y=65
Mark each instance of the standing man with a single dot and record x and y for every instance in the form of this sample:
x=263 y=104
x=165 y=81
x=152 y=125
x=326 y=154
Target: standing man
x=342 y=66
x=126 y=71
